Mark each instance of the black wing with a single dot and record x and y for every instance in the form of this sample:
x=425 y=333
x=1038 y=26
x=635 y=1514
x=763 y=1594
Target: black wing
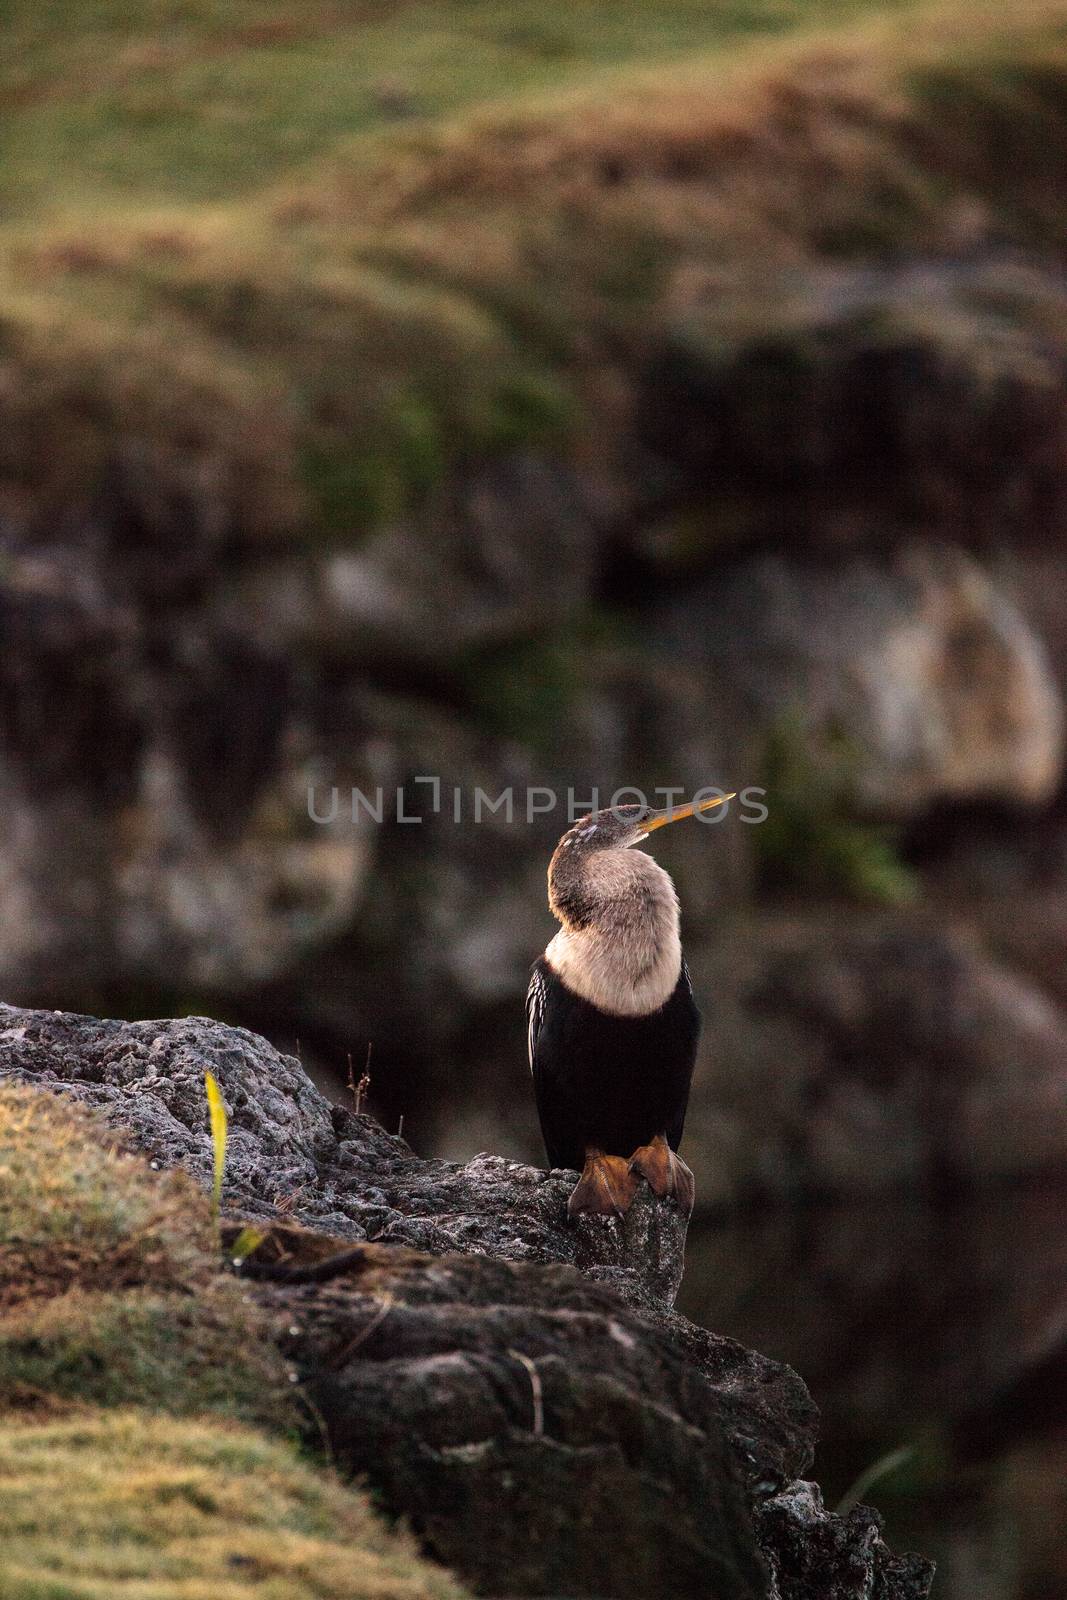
x=547 y=1006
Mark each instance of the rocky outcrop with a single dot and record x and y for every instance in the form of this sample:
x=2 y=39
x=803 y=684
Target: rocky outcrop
x=919 y=664
x=602 y=1444
x=835 y=1557
x=850 y=404
x=448 y=1349
x=294 y=1155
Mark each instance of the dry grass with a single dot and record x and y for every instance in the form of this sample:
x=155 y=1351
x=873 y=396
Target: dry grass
x=702 y=121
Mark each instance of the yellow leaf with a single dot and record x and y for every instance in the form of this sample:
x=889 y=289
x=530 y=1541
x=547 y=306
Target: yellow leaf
x=217 y=1113
x=248 y=1240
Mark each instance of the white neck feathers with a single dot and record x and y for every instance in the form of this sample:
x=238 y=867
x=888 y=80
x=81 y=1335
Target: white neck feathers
x=626 y=958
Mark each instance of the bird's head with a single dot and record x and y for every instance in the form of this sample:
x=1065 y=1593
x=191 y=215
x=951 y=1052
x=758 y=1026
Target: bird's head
x=574 y=872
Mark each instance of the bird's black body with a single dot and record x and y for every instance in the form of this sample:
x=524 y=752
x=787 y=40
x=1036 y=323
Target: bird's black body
x=613 y=1082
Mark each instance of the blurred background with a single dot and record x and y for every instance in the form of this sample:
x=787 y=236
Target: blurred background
x=581 y=395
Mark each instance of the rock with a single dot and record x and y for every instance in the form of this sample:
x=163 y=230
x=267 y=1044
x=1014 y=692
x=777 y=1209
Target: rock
x=834 y=1558
x=918 y=664
x=512 y=547
x=842 y=406
x=882 y=1053
x=177 y=848
x=477 y=1382
x=451 y=1351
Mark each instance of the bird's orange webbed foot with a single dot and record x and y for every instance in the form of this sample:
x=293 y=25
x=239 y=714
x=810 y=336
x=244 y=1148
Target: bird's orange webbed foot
x=605 y=1188
x=665 y=1173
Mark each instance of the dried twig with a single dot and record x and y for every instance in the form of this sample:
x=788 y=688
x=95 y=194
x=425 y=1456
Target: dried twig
x=359 y=1090
x=287 y=1202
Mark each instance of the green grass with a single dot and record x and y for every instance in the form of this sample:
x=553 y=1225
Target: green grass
x=205 y=101
x=530 y=689
x=331 y=251
x=181 y=1353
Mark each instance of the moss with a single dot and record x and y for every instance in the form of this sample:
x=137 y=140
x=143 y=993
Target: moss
x=522 y=690
x=110 y=1282
x=180 y=1353
x=127 y=1506
x=529 y=409
x=75 y=1211
x=350 y=491
x=355 y=485
x=358 y=482
x=529 y=689
x=130 y=1366
x=811 y=839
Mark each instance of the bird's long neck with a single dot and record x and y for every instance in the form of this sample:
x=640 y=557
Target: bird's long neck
x=619 y=946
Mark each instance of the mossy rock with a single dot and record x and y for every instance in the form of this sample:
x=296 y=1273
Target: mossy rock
x=123 y=1505
x=811 y=839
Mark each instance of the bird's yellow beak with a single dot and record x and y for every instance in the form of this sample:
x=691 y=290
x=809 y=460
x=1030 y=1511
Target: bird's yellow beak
x=660 y=819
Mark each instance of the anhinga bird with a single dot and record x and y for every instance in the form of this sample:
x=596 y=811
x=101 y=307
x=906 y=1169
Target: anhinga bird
x=613 y=1026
